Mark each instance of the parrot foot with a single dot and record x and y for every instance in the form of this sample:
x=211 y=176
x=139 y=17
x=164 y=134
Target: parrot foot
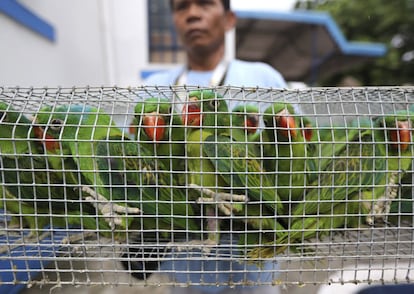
x=111 y=211
x=204 y=245
x=382 y=206
x=222 y=199
x=379 y=212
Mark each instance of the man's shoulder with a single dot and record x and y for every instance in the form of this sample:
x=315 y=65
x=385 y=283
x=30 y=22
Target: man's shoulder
x=249 y=73
x=256 y=67
x=251 y=64
x=163 y=77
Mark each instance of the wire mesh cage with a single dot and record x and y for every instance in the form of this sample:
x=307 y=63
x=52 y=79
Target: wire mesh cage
x=225 y=186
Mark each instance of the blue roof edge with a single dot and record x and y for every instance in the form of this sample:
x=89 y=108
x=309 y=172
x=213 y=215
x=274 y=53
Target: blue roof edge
x=27 y=18
x=321 y=18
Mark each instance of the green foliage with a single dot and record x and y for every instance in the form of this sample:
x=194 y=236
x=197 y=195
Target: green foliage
x=380 y=21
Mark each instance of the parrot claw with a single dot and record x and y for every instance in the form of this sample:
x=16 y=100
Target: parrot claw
x=222 y=199
x=111 y=211
x=379 y=212
x=382 y=206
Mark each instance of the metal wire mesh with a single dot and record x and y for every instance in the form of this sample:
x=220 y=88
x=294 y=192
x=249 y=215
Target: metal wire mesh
x=81 y=189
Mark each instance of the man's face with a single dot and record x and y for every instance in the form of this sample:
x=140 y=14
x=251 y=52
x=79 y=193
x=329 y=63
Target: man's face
x=201 y=24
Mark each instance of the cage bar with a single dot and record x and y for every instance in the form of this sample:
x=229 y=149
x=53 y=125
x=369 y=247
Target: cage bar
x=318 y=192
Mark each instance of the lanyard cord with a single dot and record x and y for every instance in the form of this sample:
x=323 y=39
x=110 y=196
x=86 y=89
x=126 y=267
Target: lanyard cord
x=217 y=79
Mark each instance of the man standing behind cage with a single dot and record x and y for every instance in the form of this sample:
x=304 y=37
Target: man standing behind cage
x=201 y=26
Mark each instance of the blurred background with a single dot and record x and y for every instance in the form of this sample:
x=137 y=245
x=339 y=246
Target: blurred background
x=48 y=43
x=104 y=42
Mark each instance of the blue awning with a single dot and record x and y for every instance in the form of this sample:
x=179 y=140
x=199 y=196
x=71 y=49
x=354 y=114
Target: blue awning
x=27 y=18
x=302 y=45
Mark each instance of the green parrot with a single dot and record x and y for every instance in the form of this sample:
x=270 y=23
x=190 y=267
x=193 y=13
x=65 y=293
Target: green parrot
x=327 y=141
x=263 y=217
x=361 y=180
x=241 y=169
x=402 y=207
x=228 y=162
x=34 y=190
x=121 y=178
x=307 y=128
x=402 y=210
x=161 y=132
x=285 y=151
x=76 y=131
x=149 y=186
x=246 y=117
x=239 y=161
x=206 y=114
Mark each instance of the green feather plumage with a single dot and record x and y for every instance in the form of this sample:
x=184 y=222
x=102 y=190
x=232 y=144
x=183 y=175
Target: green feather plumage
x=221 y=157
x=38 y=192
x=285 y=156
x=118 y=168
x=351 y=185
x=170 y=149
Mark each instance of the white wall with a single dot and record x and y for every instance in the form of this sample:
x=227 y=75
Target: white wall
x=98 y=42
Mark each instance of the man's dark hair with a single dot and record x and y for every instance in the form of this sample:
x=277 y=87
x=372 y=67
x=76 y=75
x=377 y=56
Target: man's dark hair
x=226 y=4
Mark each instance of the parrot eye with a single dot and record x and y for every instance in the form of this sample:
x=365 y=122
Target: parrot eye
x=214 y=103
x=56 y=124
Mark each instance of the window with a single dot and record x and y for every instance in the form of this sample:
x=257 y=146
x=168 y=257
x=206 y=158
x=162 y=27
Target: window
x=163 y=42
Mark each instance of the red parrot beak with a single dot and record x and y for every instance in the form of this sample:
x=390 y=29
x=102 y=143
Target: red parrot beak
x=154 y=127
x=191 y=114
x=287 y=124
x=251 y=124
x=132 y=129
x=401 y=135
x=48 y=141
x=38 y=132
x=307 y=132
